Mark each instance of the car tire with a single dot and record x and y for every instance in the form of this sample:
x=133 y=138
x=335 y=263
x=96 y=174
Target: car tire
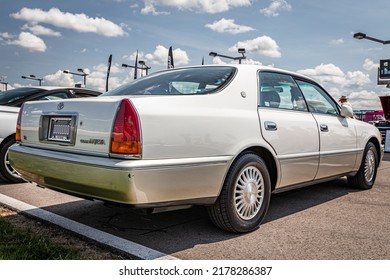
x=365 y=177
x=245 y=196
x=6 y=170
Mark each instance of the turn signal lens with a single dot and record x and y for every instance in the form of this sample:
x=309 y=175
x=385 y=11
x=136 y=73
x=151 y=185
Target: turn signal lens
x=18 y=136
x=126 y=134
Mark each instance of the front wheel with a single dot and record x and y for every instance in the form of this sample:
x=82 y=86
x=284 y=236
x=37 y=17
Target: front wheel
x=365 y=177
x=245 y=196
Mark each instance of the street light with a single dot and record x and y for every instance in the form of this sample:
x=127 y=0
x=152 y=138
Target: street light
x=144 y=66
x=33 y=77
x=381 y=79
x=239 y=58
x=83 y=74
x=140 y=62
x=361 y=35
x=127 y=65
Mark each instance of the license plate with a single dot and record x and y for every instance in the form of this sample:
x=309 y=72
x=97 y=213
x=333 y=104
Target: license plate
x=60 y=129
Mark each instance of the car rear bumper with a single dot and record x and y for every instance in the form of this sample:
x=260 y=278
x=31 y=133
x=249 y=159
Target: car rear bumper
x=142 y=183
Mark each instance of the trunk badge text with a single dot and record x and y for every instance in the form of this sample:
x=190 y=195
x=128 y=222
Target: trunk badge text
x=93 y=141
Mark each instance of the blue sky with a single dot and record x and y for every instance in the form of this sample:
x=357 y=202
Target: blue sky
x=313 y=37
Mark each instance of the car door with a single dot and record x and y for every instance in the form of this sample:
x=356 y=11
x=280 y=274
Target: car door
x=288 y=127
x=338 y=146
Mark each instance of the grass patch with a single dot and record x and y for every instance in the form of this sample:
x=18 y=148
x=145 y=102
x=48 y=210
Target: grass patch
x=21 y=244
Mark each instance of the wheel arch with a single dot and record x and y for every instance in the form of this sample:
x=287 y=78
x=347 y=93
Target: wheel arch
x=268 y=158
x=377 y=145
x=5 y=140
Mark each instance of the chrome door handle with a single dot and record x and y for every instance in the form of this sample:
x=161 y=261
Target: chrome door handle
x=324 y=127
x=270 y=125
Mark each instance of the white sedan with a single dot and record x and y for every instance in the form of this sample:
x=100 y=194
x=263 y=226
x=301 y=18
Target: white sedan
x=221 y=136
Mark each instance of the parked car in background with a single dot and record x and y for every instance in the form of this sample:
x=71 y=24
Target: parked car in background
x=384 y=124
x=223 y=136
x=10 y=101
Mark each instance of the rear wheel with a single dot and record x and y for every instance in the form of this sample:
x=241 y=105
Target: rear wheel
x=365 y=177
x=245 y=196
x=6 y=170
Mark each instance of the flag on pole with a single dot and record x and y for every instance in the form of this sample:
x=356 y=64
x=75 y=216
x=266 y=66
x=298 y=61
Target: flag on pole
x=136 y=66
x=170 y=59
x=108 y=70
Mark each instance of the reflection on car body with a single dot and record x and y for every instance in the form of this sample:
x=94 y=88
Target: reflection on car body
x=221 y=136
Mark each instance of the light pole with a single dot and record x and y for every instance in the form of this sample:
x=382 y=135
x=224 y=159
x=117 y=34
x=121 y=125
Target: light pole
x=33 y=77
x=361 y=35
x=82 y=73
x=383 y=69
x=239 y=58
x=127 y=65
x=144 y=66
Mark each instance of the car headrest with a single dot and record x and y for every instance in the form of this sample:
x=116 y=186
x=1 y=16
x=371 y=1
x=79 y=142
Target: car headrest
x=270 y=99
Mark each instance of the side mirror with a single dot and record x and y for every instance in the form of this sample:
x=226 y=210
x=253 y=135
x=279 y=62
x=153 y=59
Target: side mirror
x=346 y=111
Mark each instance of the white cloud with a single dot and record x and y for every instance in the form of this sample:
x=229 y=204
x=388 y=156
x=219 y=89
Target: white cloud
x=337 y=42
x=6 y=35
x=160 y=56
x=150 y=9
x=263 y=45
x=325 y=73
x=29 y=41
x=330 y=73
x=228 y=26
x=77 y=22
x=365 y=100
x=356 y=78
x=41 y=30
x=59 y=79
x=276 y=5
x=369 y=65
x=206 y=6
x=218 y=60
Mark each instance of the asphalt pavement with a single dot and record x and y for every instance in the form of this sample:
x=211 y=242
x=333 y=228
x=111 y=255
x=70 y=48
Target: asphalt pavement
x=324 y=221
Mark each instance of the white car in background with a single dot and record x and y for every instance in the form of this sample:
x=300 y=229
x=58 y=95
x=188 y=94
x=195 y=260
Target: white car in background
x=10 y=102
x=221 y=136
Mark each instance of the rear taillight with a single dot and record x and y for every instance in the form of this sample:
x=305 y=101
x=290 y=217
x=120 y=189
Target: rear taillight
x=18 y=136
x=126 y=134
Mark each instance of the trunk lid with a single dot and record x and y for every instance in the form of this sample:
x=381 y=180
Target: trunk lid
x=80 y=125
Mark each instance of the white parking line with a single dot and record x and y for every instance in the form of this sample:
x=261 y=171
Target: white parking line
x=107 y=239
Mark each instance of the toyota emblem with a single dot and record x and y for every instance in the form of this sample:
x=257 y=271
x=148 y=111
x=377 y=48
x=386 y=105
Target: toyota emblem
x=60 y=106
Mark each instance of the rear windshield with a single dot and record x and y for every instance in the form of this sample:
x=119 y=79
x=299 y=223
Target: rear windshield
x=12 y=95
x=201 y=80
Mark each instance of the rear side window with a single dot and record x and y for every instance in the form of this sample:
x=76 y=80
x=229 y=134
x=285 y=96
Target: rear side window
x=199 y=80
x=280 y=91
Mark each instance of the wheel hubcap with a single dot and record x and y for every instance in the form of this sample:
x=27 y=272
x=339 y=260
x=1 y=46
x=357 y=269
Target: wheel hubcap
x=249 y=193
x=9 y=168
x=369 y=166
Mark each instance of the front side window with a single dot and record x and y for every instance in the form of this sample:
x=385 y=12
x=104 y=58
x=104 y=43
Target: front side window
x=280 y=91
x=197 y=80
x=317 y=99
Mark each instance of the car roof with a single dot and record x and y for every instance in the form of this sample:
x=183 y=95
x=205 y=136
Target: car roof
x=254 y=67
